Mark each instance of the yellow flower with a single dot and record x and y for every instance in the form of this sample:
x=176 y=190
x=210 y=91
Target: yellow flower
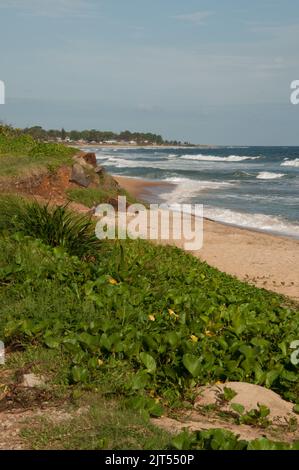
x=172 y=313
x=194 y=338
x=100 y=362
x=209 y=334
x=151 y=318
x=113 y=282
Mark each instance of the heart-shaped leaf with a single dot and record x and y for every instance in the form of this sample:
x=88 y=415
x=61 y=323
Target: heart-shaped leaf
x=149 y=362
x=192 y=364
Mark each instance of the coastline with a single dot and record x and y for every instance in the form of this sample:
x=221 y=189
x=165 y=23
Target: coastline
x=268 y=261
x=136 y=146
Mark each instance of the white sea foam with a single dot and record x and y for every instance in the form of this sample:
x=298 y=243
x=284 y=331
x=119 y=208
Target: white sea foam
x=267 y=175
x=214 y=158
x=118 y=162
x=186 y=188
x=294 y=163
x=163 y=164
x=255 y=221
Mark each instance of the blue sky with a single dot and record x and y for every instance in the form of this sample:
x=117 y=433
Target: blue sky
x=216 y=71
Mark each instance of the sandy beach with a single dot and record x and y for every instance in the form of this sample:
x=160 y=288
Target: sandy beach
x=140 y=188
x=268 y=261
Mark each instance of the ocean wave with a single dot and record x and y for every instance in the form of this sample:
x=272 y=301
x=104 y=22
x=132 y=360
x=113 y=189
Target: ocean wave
x=105 y=156
x=294 y=163
x=241 y=174
x=267 y=175
x=214 y=158
x=118 y=162
x=186 y=188
x=262 y=222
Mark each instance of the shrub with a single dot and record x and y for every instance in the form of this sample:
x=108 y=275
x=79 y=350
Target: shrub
x=55 y=226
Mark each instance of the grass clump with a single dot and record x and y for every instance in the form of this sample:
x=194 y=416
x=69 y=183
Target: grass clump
x=112 y=425
x=21 y=154
x=108 y=424
x=91 y=197
x=55 y=226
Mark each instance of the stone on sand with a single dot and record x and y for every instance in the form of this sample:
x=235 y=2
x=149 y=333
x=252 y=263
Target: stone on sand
x=32 y=381
x=248 y=395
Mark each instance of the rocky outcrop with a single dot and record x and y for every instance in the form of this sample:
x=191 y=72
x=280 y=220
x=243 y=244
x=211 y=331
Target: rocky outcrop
x=85 y=171
x=79 y=176
x=90 y=158
x=54 y=184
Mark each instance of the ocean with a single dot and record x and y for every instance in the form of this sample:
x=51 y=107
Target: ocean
x=251 y=187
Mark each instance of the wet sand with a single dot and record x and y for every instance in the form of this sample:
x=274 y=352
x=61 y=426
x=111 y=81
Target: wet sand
x=141 y=189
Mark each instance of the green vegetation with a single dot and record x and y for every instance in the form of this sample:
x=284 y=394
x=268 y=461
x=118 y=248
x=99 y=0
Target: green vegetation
x=131 y=327
x=93 y=135
x=254 y=417
x=55 y=226
x=91 y=197
x=21 y=154
x=159 y=317
x=219 y=439
x=113 y=425
x=109 y=424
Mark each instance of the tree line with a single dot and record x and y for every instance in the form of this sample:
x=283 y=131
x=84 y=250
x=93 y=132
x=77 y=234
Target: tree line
x=97 y=136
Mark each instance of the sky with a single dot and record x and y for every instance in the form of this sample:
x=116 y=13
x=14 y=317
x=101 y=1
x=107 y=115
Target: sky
x=206 y=71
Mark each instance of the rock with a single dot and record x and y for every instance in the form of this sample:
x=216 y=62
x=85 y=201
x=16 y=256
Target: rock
x=78 y=176
x=249 y=396
x=32 y=381
x=100 y=170
x=83 y=163
x=90 y=158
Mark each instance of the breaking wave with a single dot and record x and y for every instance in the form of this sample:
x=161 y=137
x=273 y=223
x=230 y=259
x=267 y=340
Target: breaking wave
x=294 y=163
x=213 y=158
x=267 y=175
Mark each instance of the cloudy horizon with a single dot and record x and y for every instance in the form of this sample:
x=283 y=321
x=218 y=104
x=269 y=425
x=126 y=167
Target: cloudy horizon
x=208 y=71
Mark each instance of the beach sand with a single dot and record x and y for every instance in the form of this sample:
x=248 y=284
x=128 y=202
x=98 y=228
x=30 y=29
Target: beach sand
x=267 y=261
x=140 y=188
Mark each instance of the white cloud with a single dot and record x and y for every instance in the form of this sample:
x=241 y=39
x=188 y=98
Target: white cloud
x=50 y=8
x=197 y=17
